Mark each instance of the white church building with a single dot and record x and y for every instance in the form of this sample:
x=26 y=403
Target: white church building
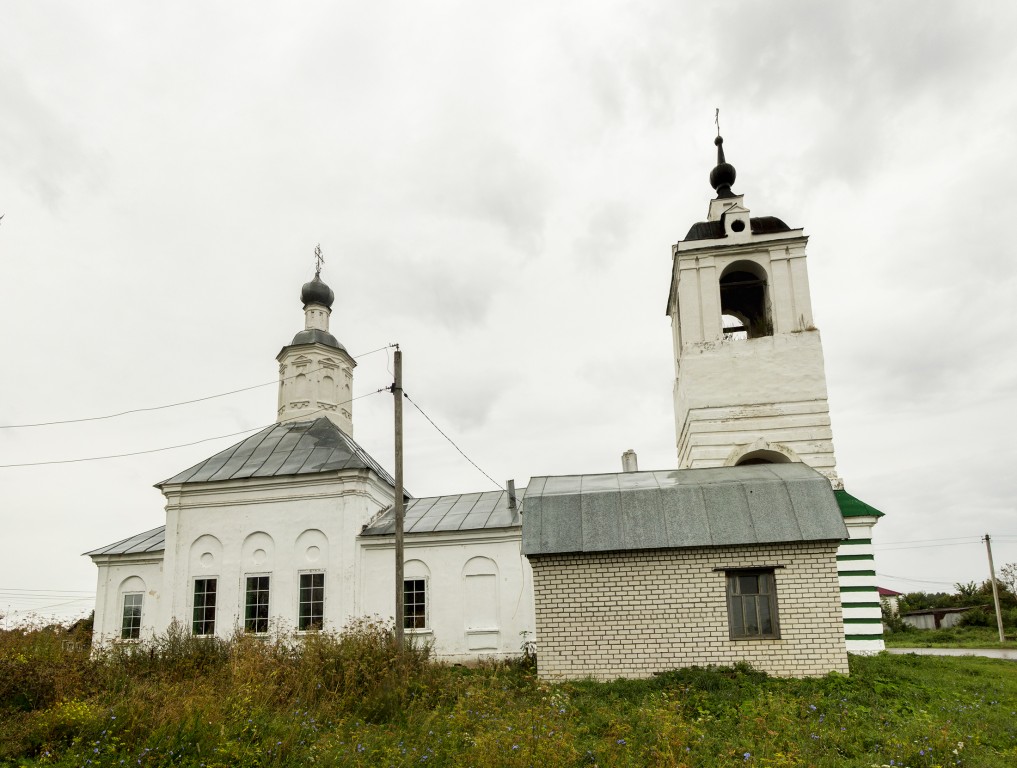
x=749 y=549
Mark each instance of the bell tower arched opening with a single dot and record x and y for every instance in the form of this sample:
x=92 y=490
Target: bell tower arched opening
x=744 y=303
x=763 y=457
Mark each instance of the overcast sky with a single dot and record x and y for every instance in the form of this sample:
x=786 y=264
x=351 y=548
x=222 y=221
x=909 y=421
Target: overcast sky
x=496 y=187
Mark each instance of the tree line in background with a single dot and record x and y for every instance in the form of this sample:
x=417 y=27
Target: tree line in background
x=971 y=594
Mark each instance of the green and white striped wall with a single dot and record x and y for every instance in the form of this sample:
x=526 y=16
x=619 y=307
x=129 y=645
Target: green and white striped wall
x=856 y=567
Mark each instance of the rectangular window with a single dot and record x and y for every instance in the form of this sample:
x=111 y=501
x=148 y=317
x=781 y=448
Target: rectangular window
x=256 y=604
x=312 y=601
x=414 y=604
x=752 y=604
x=203 y=618
x=130 y=628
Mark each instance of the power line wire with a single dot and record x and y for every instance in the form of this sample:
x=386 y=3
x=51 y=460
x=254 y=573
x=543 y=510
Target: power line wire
x=920 y=541
x=41 y=591
x=172 y=405
x=882 y=548
x=181 y=445
x=440 y=432
x=917 y=581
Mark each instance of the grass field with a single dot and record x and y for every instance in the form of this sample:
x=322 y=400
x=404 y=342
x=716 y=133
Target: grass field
x=352 y=699
x=955 y=637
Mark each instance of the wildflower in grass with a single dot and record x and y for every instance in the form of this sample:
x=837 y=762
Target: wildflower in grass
x=622 y=742
x=746 y=756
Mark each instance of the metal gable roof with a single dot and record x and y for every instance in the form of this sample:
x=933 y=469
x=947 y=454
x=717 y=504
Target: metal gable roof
x=291 y=448
x=754 y=504
x=149 y=541
x=461 y=512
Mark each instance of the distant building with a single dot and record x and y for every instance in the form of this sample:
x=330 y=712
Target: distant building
x=890 y=599
x=751 y=550
x=935 y=618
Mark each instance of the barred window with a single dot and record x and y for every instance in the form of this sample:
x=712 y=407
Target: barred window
x=752 y=604
x=256 y=604
x=130 y=628
x=311 y=612
x=203 y=617
x=414 y=604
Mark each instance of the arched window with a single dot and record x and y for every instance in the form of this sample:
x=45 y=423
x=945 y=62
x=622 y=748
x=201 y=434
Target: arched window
x=744 y=305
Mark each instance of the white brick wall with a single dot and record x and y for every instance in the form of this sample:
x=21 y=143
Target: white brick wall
x=631 y=614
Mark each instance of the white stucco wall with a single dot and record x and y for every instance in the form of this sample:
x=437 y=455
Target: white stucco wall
x=479 y=589
x=479 y=585
x=119 y=575
x=730 y=394
x=279 y=527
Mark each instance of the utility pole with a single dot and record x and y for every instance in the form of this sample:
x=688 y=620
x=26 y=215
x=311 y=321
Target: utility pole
x=397 y=392
x=995 y=590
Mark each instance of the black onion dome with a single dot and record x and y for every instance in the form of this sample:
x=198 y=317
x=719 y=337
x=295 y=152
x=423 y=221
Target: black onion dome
x=316 y=292
x=723 y=175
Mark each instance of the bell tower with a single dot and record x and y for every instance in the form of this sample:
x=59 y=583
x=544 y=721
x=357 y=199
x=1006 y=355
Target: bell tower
x=749 y=380
x=315 y=370
x=750 y=386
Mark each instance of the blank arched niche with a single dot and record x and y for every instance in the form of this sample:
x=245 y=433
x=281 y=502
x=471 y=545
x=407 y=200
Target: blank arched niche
x=311 y=550
x=205 y=556
x=132 y=584
x=481 y=606
x=258 y=552
x=744 y=301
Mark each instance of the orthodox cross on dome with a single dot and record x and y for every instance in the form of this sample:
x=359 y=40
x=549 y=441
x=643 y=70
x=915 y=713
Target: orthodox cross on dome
x=723 y=174
x=318 y=260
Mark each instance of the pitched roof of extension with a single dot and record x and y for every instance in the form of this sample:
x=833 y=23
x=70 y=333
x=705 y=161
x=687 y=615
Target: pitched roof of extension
x=752 y=504
x=459 y=512
x=149 y=541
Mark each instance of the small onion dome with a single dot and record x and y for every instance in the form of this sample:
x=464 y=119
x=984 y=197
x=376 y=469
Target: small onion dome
x=316 y=292
x=723 y=175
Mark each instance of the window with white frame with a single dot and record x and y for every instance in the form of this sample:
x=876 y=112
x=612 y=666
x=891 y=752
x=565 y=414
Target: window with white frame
x=414 y=604
x=203 y=615
x=311 y=610
x=256 y=590
x=130 y=626
x=752 y=604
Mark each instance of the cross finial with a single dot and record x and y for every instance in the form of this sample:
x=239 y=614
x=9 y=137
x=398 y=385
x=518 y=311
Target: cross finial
x=716 y=120
x=318 y=260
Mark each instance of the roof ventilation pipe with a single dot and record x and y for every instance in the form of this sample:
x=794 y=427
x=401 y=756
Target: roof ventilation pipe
x=510 y=486
x=629 y=462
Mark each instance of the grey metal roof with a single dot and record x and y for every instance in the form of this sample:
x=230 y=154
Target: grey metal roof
x=754 y=504
x=292 y=448
x=149 y=541
x=463 y=512
x=316 y=336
